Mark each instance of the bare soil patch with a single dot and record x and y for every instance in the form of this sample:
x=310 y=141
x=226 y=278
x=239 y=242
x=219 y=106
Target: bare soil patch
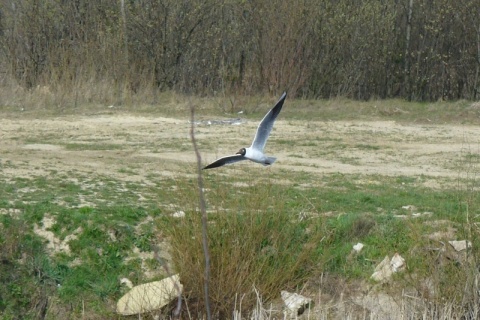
x=159 y=145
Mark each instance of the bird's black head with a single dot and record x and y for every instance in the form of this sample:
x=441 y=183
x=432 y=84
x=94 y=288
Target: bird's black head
x=242 y=151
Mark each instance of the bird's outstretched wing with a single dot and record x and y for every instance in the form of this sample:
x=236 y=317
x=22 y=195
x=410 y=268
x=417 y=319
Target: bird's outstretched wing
x=225 y=160
x=266 y=125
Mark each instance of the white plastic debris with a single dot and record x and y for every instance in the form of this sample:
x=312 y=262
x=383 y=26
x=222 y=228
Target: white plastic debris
x=385 y=269
x=295 y=303
x=358 y=247
x=179 y=214
x=397 y=263
x=235 y=121
x=460 y=245
x=149 y=296
x=422 y=214
x=382 y=270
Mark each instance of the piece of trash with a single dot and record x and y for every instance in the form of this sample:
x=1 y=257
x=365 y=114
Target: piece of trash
x=460 y=245
x=179 y=214
x=295 y=303
x=382 y=270
x=149 y=296
x=397 y=263
x=358 y=247
x=235 y=121
x=421 y=214
x=385 y=269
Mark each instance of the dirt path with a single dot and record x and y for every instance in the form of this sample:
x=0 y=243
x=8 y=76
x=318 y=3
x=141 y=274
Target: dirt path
x=111 y=144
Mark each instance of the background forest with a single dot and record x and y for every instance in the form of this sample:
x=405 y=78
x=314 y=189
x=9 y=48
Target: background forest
x=420 y=50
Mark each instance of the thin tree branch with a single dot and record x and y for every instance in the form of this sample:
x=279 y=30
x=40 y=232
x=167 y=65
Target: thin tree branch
x=203 y=210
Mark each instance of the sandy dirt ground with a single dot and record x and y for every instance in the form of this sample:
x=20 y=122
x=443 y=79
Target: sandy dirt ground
x=107 y=144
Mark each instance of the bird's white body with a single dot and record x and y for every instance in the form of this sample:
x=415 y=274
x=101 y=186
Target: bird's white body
x=258 y=156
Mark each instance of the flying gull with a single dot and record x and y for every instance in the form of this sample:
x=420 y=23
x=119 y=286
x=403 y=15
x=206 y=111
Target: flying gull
x=255 y=151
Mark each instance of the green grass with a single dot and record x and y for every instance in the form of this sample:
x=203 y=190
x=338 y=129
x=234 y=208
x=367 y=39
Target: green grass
x=367 y=147
x=26 y=274
x=92 y=146
x=269 y=235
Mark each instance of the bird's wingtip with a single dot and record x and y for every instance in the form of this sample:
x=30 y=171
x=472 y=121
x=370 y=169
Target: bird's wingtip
x=284 y=96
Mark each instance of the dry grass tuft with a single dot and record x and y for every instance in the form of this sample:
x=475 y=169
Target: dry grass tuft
x=258 y=245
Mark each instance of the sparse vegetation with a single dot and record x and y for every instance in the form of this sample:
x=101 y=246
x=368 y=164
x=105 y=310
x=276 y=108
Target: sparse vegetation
x=255 y=242
x=264 y=236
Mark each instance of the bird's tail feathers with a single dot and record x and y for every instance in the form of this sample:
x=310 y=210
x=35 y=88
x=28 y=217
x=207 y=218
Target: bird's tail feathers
x=269 y=161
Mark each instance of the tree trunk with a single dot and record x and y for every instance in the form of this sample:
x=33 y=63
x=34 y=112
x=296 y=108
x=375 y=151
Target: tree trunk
x=407 y=51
